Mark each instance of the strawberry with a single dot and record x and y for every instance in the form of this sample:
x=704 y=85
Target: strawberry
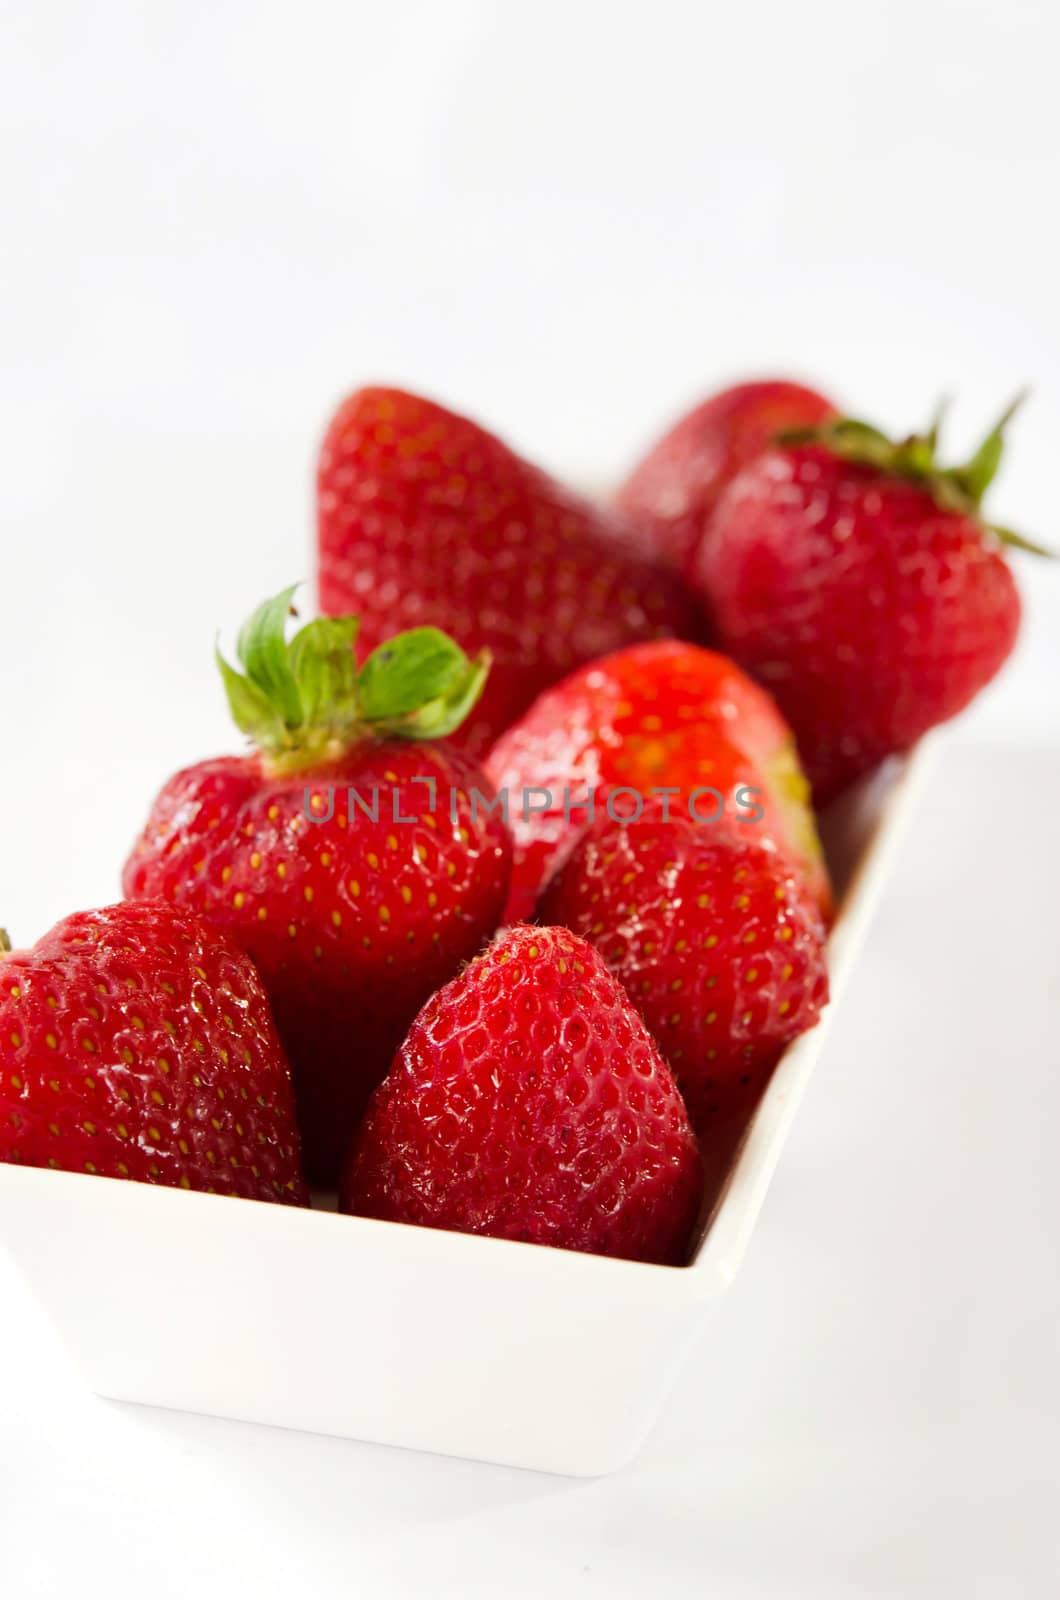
x=349 y=855
x=718 y=943
x=137 y=1042
x=669 y=716
x=529 y=1102
x=672 y=492
x=425 y=517
x=858 y=582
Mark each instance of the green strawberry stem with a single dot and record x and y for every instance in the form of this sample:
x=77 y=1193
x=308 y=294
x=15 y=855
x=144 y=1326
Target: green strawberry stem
x=960 y=489
x=304 y=701
x=1019 y=541
x=5 y=943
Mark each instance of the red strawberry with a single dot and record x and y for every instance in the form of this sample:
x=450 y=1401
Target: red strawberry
x=352 y=919
x=719 y=945
x=859 y=583
x=425 y=517
x=666 y=715
x=137 y=1042
x=674 y=489
x=529 y=1102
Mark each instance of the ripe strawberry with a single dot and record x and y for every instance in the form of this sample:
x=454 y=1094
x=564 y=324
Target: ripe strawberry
x=664 y=715
x=529 y=1102
x=348 y=855
x=674 y=489
x=857 y=580
x=137 y=1042
x=425 y=517
x=719 y=945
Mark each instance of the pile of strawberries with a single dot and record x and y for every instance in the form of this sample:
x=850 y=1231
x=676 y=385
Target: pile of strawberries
x=506 y=915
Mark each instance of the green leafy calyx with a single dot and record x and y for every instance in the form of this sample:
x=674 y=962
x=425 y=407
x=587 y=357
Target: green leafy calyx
x=959 y=488
x=304 y=701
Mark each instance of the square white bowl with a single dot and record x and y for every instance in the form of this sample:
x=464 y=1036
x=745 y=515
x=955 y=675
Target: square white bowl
x=371 y=1330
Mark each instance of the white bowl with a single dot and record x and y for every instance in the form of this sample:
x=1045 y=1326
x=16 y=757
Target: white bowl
x=476 y=1347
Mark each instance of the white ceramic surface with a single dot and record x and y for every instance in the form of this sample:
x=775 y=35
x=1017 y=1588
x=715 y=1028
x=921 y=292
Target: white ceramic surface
x=372 y=1330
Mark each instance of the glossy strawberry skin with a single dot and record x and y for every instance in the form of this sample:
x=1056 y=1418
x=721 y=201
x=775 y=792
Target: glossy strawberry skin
x=672 y=492
x=424 y=517
x=666 y=714
x=352 y=922
x=137 y=1042
x=869 y=613
x=529 y=1102
x=718 y=944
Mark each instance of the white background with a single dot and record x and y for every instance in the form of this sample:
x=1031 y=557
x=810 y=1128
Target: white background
x=570 y=220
